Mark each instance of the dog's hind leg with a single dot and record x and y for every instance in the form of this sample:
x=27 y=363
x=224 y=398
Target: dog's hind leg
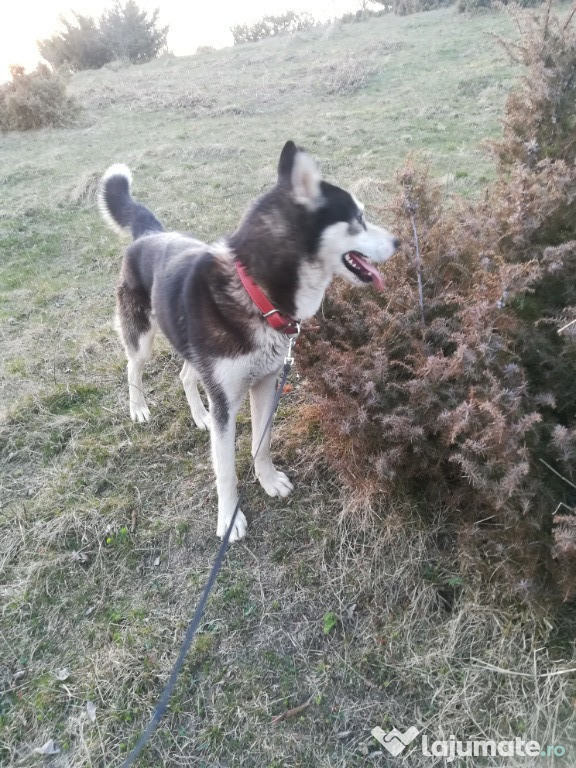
x=262 y=393
x=137 y=329
x=189 y=379
x=139 y=411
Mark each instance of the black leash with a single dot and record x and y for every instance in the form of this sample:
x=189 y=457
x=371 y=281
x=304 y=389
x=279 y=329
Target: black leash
x=197 y=617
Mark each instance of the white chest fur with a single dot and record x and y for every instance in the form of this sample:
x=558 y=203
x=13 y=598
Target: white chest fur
x=233 y=373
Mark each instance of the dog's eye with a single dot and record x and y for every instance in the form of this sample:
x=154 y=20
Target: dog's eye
x=360 y=219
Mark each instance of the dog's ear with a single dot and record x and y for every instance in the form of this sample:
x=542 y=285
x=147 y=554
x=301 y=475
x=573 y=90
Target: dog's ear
x=299 y=170
x=286 y=161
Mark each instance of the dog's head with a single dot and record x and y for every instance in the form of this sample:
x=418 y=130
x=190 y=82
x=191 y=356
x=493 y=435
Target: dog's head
x=338 y=233
x=305 y=231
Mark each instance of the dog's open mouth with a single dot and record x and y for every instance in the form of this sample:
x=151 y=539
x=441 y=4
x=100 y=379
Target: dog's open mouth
x=359 y=266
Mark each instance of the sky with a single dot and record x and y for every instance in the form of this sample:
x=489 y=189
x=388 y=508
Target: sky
x=192 y=23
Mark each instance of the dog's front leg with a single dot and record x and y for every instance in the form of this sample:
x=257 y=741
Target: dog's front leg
x=262 y=393
x=223 y=438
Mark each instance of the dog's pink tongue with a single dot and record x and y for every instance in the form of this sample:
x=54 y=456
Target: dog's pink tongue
x=376 y=276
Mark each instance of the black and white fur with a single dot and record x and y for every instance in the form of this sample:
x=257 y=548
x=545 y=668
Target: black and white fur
x=292 y=242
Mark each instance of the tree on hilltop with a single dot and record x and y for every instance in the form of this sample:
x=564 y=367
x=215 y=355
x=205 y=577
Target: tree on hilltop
x=130 y=34
x=78 y=46
x=123 y=32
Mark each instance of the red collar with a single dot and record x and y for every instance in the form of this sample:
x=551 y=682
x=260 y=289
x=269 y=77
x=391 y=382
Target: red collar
x=274 y=318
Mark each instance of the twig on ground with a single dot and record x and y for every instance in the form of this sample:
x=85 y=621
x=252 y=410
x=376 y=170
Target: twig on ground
x=514 y=673
x=566 y=326
x=557 y=473
x=418 y=267
x=294 y=712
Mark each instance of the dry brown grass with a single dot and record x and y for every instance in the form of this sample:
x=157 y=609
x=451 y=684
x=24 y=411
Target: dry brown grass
x=407 y=648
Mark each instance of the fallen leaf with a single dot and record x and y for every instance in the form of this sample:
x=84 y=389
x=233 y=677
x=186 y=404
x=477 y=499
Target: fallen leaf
x=47 y=749
x=350 y=610
x=91 y=711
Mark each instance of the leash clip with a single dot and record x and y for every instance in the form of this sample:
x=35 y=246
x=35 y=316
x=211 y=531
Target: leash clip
x=288 y=360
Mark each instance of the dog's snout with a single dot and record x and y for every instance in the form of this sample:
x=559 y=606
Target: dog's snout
x=395 y=243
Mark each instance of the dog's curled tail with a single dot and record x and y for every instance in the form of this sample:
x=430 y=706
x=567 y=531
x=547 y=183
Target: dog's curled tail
x=119 y=209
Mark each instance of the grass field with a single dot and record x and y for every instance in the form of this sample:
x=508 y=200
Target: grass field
x=107 y=528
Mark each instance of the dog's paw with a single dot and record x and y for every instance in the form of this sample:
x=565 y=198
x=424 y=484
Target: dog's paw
x=139 y=412
x=201 y=419
x=239 y=529
x=275 y=483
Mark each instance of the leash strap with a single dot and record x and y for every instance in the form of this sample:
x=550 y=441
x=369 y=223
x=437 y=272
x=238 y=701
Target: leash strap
x=198 y=613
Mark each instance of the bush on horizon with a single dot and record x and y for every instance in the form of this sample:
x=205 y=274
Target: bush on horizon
x=271 y=26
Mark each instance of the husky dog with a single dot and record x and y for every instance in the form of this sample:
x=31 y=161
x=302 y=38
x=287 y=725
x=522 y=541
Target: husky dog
x=229 y=309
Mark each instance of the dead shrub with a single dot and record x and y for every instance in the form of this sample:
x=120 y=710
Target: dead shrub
x=454 y=387
x=431 y=400
x=35 y=100
x=349 y=76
